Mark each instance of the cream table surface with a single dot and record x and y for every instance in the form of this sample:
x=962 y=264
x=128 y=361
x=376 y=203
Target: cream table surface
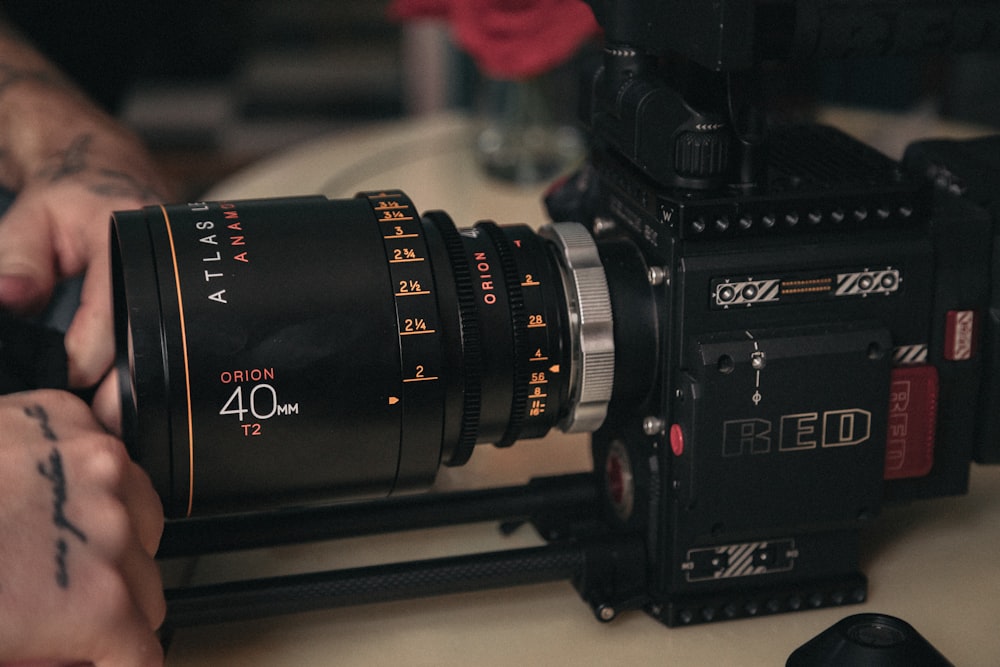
x=936 y=564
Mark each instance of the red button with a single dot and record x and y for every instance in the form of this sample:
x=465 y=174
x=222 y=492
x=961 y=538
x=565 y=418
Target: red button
x=913 y=404
x=676 y=440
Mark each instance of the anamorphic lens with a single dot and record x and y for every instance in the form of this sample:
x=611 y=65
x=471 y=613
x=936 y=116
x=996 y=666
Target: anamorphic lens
x=289 y=351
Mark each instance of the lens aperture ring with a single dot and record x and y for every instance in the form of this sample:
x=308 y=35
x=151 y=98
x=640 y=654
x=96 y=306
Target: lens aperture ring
x=519 y=324
x=546 y=335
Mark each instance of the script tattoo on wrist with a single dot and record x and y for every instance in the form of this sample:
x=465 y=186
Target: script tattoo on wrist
x=52 y=470
x=73 y=162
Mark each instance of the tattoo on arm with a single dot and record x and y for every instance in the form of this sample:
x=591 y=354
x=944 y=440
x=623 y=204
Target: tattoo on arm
x=39 y=414
x=52 y=470
x=104 y=182
x=71 y=161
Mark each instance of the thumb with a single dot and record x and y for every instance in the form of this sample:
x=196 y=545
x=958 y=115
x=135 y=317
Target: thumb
x=27 y=261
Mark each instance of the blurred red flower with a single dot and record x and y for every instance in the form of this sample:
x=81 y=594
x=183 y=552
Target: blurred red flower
x=509 y=39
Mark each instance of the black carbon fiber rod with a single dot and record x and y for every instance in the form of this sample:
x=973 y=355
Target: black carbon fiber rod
x=546 y=495
x=243 y=600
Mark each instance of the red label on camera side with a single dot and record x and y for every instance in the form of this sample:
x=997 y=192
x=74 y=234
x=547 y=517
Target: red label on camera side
x=960 y=334
x=913 y=404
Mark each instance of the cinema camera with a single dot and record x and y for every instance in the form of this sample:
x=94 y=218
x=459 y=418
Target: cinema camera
x=771 y=332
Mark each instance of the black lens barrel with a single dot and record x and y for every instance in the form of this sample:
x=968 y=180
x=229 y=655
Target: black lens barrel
x=297 y=350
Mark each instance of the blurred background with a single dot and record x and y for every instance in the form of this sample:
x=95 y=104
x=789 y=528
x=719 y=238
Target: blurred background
x=213 y=85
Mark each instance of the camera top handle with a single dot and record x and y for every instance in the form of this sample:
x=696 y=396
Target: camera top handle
x=679 y=95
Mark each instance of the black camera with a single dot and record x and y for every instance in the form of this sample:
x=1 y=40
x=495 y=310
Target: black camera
x=770 y=330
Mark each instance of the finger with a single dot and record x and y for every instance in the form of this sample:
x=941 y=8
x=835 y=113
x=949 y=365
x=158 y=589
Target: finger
x=27 y=260
x=119 y=632
x=144 y=507
x=143 y=577
x=137 y=490
x=90 y=337
x=123 y=499
x=21 y=293
x=107 y=404
x=129 y=642
x=109 y=536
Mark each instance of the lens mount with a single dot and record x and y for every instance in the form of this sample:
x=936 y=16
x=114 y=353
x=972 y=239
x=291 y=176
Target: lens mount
x=591 y=326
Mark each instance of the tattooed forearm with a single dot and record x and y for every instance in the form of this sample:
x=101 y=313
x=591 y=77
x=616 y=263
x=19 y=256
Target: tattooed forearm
x=69 y=162
x=52 y=470
x=73 y=162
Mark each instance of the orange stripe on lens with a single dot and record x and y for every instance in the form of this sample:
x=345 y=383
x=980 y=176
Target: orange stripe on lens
x=187 y=372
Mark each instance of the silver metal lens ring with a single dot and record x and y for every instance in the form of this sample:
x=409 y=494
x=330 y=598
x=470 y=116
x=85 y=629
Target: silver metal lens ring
x=591 y=326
